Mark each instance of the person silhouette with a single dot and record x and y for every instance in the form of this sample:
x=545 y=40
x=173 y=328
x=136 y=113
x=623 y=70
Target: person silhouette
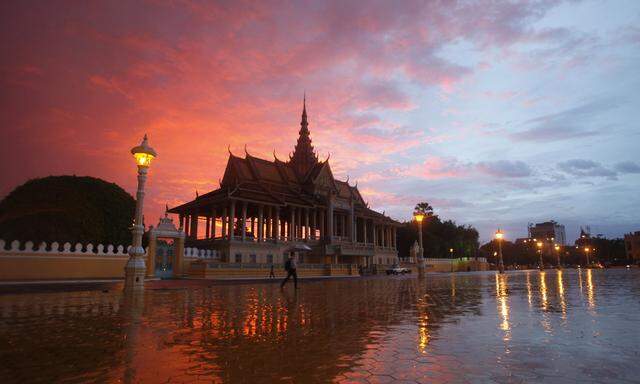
x=290 y=267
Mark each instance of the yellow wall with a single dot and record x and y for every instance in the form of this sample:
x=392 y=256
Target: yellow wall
x=19 y=266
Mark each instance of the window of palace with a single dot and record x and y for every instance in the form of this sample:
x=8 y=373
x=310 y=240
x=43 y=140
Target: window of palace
x=252 y=258
x=269 y=259
x=238 y=257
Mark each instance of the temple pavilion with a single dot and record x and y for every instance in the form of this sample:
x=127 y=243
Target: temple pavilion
x=264 y=207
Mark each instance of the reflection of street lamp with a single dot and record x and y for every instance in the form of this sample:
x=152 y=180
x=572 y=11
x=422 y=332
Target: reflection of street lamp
x=539 y=244
x=419 y=216
x=499 y=236
x=586 y=252
x=135 y=268
x=557 y=248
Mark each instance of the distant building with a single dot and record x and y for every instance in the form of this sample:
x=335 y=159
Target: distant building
x=549 y=232
x=585 y=238
x=632 y=246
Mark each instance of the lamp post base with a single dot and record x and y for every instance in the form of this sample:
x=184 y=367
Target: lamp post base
x=422 y=267
x=135 y=270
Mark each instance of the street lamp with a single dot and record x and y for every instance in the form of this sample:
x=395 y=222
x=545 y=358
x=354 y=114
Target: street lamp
x=557 y=248
x=539 y=245
x=419 y=216
x=135 y=269
x=499 y=236
x=586 y=251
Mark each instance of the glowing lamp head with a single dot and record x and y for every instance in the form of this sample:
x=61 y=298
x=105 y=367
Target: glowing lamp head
x=499 y=234
x=143 y=153
x=557 y=247
x=539 y=244
x=418 y=216
x=586 y=249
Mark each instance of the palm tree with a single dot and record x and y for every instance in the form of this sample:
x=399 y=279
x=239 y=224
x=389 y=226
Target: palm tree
x=424 y=208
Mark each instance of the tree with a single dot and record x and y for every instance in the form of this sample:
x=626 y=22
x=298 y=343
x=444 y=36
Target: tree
x=67 y=209
x=424 y=208
x=439 y=237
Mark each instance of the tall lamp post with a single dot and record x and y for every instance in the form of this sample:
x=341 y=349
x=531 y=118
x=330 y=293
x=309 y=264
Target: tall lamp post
x=499 y=236
x=418 y=216
x=541 y=261
x=557 y=248
x=135 y=269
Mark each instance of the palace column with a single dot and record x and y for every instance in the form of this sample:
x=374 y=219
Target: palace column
x=207 y=227
x=244 y=221
x=314 y=217
x=353 y=223
x=214 y=218
x=292 y=232
x=276 y=224
x=182 y=222
x=385 y=235
x=394 y=237
x=298 y=224
x=232 y=219
x=260 y=223
x=224 y=219
x=364 y=230
x=186 y=225
x=329 y=214
x=306 y=224
x=267 y=225
x=375 y=237
x=194 y=225
x=321 y=216
x=343 y=221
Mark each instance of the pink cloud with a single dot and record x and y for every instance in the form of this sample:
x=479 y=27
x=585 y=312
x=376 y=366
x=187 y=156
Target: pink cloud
x=82 y=82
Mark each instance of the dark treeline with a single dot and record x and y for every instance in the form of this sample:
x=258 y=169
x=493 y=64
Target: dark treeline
x=438 y=237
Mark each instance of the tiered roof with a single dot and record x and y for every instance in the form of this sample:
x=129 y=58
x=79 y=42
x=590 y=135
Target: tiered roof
x=302 y=181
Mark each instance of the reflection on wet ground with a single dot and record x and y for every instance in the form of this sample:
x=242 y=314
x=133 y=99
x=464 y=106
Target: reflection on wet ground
x=529 y=326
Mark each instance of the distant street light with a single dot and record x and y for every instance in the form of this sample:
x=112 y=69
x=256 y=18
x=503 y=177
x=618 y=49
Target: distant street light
x=557 y=248
x=586 y=252
x=499 y=236
x=539 y=245
x=135 y=268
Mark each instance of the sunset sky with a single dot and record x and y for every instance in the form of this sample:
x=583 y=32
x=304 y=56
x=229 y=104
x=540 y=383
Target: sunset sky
x=497 y=114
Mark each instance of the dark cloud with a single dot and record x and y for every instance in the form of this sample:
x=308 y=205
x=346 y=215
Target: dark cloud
x=504 y=168
x=627 y=167
x=572 y=123
x=586 y=168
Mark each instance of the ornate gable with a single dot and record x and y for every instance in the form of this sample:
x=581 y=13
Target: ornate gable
x=324 y=181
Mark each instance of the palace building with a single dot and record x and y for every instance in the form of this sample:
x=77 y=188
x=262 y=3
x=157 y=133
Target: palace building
x=264 y=207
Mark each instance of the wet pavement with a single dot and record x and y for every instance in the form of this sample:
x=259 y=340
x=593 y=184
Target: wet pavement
x=527 y=326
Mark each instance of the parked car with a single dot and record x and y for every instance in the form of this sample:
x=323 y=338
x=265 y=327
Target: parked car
x=397 y=270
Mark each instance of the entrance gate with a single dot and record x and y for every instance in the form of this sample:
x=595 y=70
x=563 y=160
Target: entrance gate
x=164 y=258
x=166 y=250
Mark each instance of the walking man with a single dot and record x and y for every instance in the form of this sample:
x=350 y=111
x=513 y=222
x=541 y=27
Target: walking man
x=290 y=267
x=272 y=274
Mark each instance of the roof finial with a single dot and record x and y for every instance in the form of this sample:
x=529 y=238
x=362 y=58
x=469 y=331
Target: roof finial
x=304 y=124
x=166 y=210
